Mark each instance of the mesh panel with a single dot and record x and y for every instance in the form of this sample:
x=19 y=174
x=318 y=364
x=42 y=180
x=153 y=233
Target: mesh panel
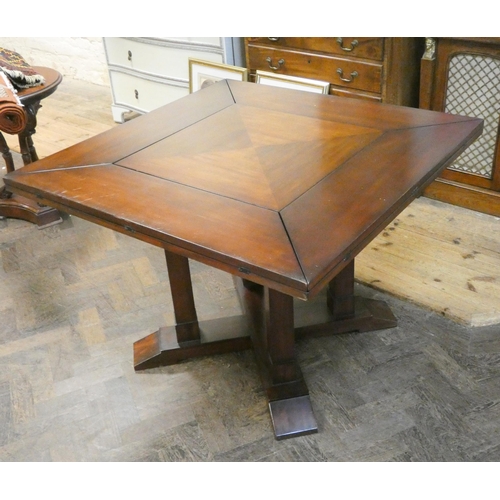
x=474 y=90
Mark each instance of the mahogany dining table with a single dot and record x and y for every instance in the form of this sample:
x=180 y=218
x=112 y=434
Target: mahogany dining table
x=280 y=188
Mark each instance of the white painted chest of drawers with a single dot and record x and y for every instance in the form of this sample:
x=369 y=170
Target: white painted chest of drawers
x=146 y=73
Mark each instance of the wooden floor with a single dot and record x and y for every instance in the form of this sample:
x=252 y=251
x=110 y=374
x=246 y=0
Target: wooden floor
x=75 y=296
x=442 y=257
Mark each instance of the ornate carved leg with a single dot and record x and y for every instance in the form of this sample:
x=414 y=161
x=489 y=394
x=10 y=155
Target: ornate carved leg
x=31 y=149
x=189 y=338
x=7 y=155
x=26 y=145
x=9 y=162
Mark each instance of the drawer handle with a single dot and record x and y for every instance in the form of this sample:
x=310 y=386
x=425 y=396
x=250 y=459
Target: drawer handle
x=273 y=38
x=136 y=93
x=270 y=62
x=354 y=74
x=354 y=44
x=129 y=55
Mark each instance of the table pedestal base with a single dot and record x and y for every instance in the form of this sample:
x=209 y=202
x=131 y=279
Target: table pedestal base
x=217 y=336
x=292 y=417
x=270 y=325
x=316 y=320
x=17 y=207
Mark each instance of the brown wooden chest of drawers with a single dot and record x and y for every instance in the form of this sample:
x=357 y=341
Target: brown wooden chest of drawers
x=380 y=69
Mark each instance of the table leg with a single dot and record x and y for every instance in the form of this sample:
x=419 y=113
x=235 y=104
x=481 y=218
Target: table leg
x=273 y=337
x=270 y=325
x=189 y=337
x=187 y=326
x=6 y=153
x=340 y=294
x=28 y=151
x=345 y=313
x=289 y=403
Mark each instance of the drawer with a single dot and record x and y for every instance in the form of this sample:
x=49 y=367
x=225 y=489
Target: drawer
x=357 y=94
x=363 y=47
x=340 y=71
x=170 y=62
x=142 y=95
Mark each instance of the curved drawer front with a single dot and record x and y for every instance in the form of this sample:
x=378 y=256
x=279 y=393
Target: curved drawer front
x=363 y=47
x=339 y=71
x=143 y=95
x=170 y=62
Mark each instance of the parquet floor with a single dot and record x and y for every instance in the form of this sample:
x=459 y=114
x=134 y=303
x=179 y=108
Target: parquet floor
x=75 y=296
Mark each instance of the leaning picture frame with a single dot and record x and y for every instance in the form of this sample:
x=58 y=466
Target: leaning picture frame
x=292 y=82
x=203 y=73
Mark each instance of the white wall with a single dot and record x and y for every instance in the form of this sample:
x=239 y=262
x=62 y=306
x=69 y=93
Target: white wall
x=73 y=57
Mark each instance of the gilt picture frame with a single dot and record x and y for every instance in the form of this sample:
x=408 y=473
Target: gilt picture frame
x=203 y=73
x=292 y=82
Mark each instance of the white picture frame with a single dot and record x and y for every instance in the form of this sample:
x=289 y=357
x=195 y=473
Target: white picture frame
x=203 y=73
x=292 y=82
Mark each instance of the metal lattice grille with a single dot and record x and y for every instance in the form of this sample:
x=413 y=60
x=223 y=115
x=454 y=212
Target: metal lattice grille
x=474 y=90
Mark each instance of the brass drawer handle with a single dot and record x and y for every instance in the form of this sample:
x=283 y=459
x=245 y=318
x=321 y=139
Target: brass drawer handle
x=354 y=74
x=270 y=61
x=354 y=44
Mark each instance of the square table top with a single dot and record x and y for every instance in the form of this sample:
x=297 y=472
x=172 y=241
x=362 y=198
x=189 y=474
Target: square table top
x=279 y=186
